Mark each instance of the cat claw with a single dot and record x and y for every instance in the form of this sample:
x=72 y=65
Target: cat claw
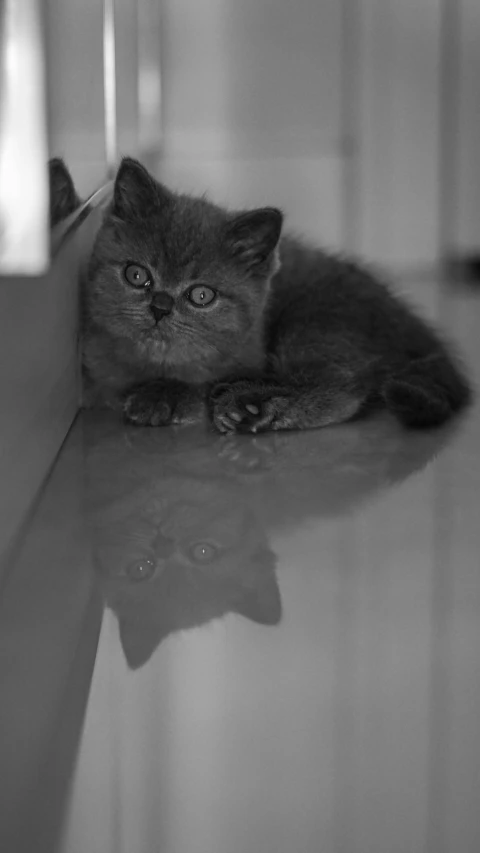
x=234 y=418
x=233 y=410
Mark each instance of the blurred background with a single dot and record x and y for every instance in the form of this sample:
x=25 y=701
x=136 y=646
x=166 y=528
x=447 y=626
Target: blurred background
x=359 y=117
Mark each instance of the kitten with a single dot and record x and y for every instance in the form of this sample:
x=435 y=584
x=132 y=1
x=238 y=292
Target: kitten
x=63 y=196
x=187 y=304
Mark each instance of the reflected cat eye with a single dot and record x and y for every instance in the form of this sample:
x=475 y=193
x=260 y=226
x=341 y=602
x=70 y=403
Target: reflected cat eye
x=201 y=295
x=137 y=276
x=203 y=552
x=140 y=570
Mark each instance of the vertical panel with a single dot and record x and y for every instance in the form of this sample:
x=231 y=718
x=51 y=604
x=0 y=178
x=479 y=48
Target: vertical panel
x=149 y=81
x=252 y=106
x=127 y=75
x=80 y=104
x=75 y=87
x=399 y=131
x=467 y=225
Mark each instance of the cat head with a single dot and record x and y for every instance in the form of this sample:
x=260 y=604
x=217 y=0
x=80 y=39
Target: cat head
x=63 y=195
x=181 y=278
x=177 y=553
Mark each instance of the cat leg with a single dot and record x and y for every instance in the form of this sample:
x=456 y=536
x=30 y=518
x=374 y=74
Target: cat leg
x=163 y=402
x=307 y=400
x=427 y=392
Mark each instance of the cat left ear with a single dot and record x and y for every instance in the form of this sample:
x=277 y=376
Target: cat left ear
x=135 y=190
x=263 y=603
x=253 y=237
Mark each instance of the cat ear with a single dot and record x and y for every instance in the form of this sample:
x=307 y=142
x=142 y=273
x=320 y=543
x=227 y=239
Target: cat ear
x=263 y=603
x=139 y=641
x=253 y=237
x=63 y=196
x=135 y=190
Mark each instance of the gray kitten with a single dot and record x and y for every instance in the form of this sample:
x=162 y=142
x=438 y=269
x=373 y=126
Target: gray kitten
x=189 y=308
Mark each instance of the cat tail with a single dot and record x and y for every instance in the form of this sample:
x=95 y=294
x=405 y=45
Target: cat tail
x=428 y=392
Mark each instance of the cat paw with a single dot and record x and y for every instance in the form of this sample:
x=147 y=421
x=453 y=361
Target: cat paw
x=245 y=407
x=146 y=406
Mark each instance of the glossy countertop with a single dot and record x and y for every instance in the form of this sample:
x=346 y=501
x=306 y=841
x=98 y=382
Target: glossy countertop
x=249 y=645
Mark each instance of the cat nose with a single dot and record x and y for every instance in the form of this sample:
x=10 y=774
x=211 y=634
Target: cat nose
x=163 y=546
x=161 y=305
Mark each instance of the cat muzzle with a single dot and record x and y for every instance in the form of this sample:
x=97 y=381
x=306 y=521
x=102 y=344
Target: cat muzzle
x=161 y=305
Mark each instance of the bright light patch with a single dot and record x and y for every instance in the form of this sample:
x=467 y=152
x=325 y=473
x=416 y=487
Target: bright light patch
x=24 y=231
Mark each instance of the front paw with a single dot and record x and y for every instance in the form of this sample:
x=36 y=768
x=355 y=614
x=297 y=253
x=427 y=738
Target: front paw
x=246 y=406
x=147 y=405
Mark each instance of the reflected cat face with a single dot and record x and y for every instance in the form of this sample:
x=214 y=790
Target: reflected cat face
x=177 y=554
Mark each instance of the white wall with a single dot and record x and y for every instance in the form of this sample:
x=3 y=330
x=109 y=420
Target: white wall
x=252 y=110
x=466 y=237
x=74 y=34
x=252 y=107
x=398 y=131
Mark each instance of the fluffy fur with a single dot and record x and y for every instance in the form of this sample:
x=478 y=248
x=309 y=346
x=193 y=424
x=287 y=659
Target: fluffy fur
x=294 y=338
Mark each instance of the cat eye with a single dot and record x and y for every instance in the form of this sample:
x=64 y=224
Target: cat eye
x=201 y=295
x=203 y=552
x=137 y=276
x=140 y=570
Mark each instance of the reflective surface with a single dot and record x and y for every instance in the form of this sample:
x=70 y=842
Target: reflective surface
x=288 y=655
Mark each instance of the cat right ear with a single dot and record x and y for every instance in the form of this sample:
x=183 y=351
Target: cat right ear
x=253 y=237
x=262 y=603
x=135 y=190
x=139 y=641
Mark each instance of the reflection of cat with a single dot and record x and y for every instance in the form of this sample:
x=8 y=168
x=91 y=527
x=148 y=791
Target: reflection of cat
x=174 y=550
x=63 y=196
x=181 y=522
